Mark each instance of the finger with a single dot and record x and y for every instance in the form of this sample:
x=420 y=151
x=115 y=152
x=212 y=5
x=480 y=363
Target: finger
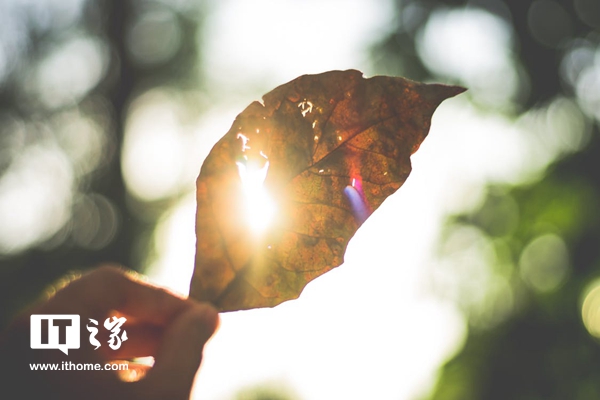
x=180 y=353
x=109 y=288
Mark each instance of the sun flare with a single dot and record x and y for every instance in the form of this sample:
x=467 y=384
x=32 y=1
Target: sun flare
x=259 y=206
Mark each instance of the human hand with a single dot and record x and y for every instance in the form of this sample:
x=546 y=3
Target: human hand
x=160 y=324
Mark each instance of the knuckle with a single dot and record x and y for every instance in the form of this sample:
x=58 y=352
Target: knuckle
x=106 y=278
x=109 y=271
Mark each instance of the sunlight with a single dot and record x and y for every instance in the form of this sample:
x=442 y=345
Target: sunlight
x=306 y=107
x=259 y=207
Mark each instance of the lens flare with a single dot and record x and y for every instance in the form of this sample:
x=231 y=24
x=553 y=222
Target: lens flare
x=356 y=196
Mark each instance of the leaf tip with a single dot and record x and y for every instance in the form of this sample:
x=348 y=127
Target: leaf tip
x=458 y=90
x=436 y=93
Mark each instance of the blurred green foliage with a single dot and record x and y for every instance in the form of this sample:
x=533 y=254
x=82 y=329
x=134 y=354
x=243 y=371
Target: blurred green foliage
x=541 y=350
x=538 y=241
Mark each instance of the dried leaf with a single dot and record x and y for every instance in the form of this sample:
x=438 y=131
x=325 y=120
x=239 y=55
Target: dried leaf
x=282 y=193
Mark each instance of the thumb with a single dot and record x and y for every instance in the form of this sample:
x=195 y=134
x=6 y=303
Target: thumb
x=180 y=353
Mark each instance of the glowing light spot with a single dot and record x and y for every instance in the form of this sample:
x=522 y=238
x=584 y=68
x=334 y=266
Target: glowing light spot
x=316 y=138
x=314 y=124
x=321 y=171
x=305 y=107
x=259 y=207
x=245 y=141
x=339 y=138
x=544 y=263
x=590 y=309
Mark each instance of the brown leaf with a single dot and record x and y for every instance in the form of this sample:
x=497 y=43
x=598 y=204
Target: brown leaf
x=333 y=146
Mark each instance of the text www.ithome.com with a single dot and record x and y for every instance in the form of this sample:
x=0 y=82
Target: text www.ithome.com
x=71 y=366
